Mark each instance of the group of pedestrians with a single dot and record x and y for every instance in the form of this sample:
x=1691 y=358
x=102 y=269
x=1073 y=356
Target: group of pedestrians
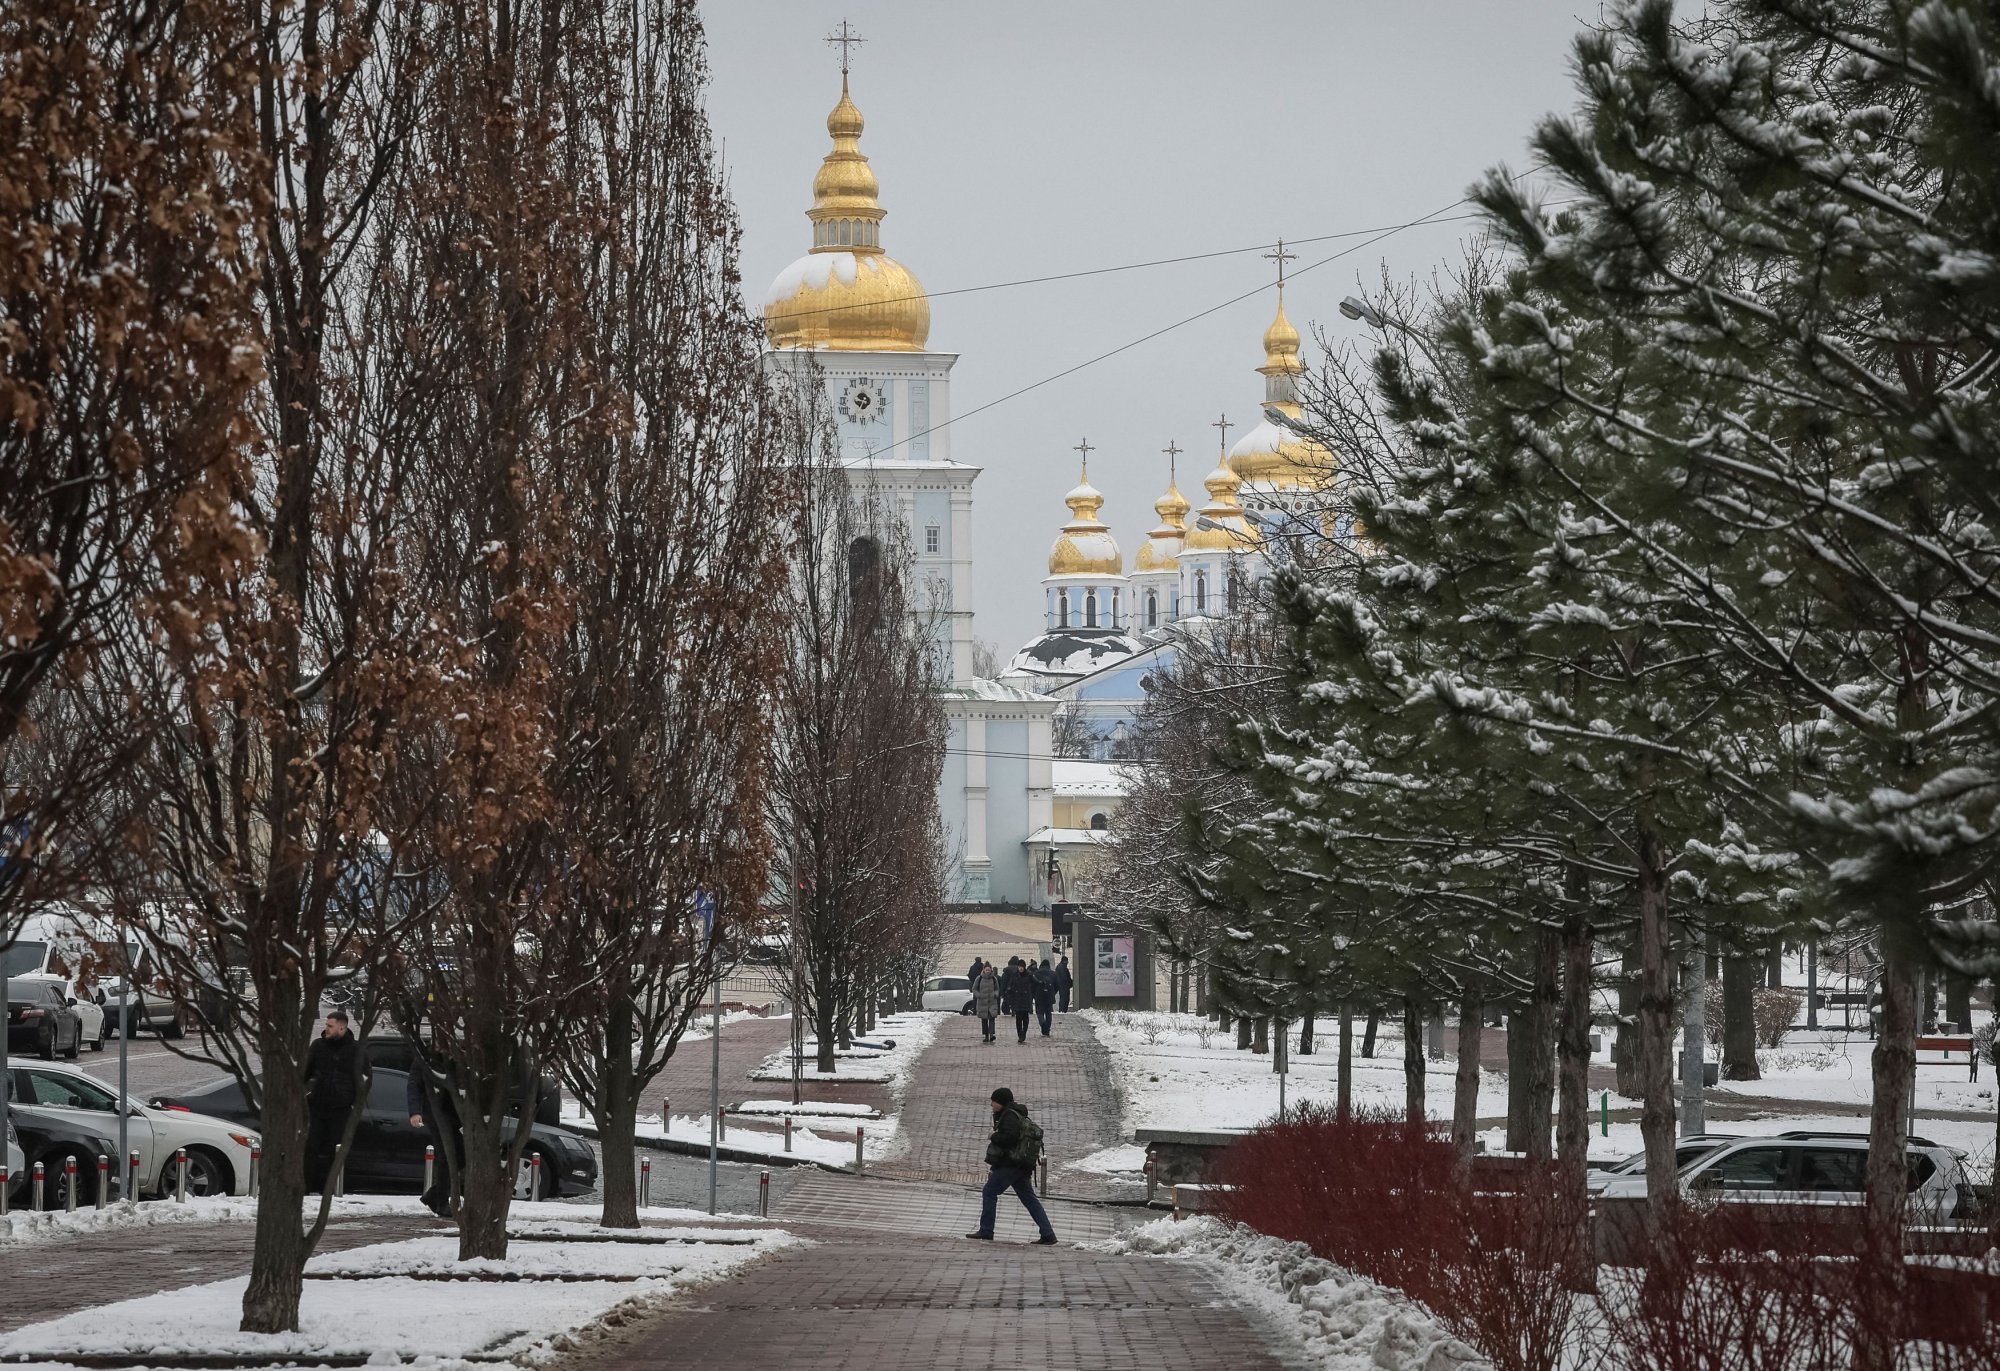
x=1021 y=990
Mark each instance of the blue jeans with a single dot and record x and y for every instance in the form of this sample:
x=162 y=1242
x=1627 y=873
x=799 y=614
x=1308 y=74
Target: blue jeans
x=1021 y=1182
x=1044 y=1014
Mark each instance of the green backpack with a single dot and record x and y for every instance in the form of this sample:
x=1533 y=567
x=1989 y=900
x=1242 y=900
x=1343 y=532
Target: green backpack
x=1028 y=1151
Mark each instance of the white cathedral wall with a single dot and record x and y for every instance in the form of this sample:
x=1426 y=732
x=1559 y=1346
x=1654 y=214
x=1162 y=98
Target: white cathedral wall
x=1007 y=809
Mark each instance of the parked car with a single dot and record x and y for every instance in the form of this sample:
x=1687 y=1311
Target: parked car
x=948 y=994
x=1812 y=1169
x=52 y=1140
x=1686 y=1150
x=151 y=1013
x=388 y=1152
x=40 y=1019
x=218 y=1150
x=13 y=1158
x=91 y=1014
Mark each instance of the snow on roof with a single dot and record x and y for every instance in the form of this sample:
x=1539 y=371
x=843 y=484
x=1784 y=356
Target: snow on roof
x=979 y=688
x=1079 y=777
x=1081 y=837
x=815 y=269
x=1073 y=652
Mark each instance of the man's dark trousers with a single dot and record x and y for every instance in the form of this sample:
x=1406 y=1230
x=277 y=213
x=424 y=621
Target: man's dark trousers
x=1021 y=1182
x=1044 y=1015
x=323 y=1130
x=1021 y=1024
x=1062 y=1000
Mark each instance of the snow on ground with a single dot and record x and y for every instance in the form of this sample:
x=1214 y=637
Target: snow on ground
x=1171 y=1079
x=912 y=1033
x=806 y=1144
x=811 y=1109
x=1125 y=1159
x=1345 y=1322
x=547 y=1295
x=24 y=1226
x=1972 y=1137
x=1834 y=1066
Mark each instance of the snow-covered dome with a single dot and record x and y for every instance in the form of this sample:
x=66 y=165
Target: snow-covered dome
x=1072 y=652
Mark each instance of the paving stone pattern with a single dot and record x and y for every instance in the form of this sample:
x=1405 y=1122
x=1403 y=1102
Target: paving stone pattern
x=1064 y=1079
x=869 y=1303
x=923 y=1209
x=49 y=1279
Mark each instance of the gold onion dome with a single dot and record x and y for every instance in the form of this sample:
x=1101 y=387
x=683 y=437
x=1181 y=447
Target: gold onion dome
x=847 y=295
x=1271 y=455
x=1231 y=532
x=1161 y=550
x=1085 y=546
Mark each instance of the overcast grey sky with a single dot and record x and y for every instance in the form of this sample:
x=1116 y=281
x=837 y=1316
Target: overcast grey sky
x=1024 y=139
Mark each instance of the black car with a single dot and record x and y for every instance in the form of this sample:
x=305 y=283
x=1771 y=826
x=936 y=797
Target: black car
x=41 y=1020
x=388 y=1151
x=51 y=1140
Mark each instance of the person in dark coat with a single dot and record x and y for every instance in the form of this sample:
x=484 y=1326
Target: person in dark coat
x=427 y=1098
x=1064 y=980
x=978 y=965
x=1009 y=1169
x=1045 y=995
x=333 y=1082
x=986 y=999
x=1017 y=996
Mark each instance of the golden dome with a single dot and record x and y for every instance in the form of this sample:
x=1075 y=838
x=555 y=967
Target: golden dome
x=1271 y=455
x=1161 y=550
x=847 y=295
x=1085 y=546
x=1231 y=533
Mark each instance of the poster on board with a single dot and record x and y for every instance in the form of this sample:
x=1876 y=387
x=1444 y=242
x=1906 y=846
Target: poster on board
x=1114 y=974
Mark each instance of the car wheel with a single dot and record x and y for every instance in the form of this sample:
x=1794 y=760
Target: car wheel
x=967 y=1011
x=97 y=1043
x=46 y=1048
x=75 y=1041
x=208 y=1174
x=56 y=1184
x=172 y=1027
x=535 y=1182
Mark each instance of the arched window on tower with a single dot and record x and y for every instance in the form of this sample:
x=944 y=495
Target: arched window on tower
x=1201 y=592
x=1152 y=609
x=1062 y=609
x=1099 y=822
x=1115 y=607
x=1090 y=609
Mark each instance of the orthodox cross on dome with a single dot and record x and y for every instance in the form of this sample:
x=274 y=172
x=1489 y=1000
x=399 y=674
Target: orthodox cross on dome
x=845 y=38
x=1280 y=256
x=1224 y=424
x=1086 y=449
x=1173 y=451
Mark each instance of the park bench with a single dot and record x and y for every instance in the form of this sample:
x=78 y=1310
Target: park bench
x=1948 y=1049
x=1180 y=1156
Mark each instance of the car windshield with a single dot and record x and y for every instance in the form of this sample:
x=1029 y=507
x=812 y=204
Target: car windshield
x=22 y=958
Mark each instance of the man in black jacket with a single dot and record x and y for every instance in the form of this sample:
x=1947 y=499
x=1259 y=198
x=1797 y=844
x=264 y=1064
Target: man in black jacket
x=427 y=1097
x=332 y=1084
x=1064 y=980
x=1010 y=1159
x=1017 y=996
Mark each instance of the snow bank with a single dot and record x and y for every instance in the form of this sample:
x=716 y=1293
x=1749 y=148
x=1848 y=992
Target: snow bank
x=23 y=1226
x=912 y=1034
x=811 y=1109
x=1344 y=1321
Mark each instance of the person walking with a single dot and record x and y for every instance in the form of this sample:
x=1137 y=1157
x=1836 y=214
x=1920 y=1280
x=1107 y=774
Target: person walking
x=986 y=1000
x=1045 y=995
x=1017 y=996
x=972 y=975
x=427 y=1098
x=331 y=1088
x=1011 y=1154
x=1064 y=980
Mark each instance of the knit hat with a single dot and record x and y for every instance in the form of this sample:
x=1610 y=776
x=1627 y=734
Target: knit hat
x=1003 y=1096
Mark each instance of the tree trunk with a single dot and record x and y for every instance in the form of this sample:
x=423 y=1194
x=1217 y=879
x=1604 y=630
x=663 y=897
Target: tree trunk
x=1413 y=1061
x=1573 y=1095
x=1774 y=968
x=278 y=1255
x=1656 y=1037
x=1739 y=1019
x=1894 y=1067
x=1260 y=1039
x=489 y=1188
x=1542 y=1064
x=1306 y=1035
x=1625 y=1042
x=1958 y=1001
x=617 y=1115
x=1244 y=1030
x=823 y=1029
x=1368 y=1033
x=1521 y=1038
x=1465 y=1085
x=1343 y=1076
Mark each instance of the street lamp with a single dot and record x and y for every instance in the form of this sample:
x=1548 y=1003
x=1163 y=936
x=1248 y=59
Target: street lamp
x=1354 y=308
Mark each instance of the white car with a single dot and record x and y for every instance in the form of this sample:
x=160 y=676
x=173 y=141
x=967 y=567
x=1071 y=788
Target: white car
x=948 y=994
x=16 y=1163
x=87 y=1010
x=1686 y=1150
x=1811 y=1169
x=218 y=1150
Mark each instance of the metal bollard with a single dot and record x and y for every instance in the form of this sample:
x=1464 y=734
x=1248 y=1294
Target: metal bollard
x=257 y=1167
x=430 y=1165
x=534 y=1175
x=132 y=1177
x=1042 y=1177
x=180 y=1175
x=69 y=1185
x=1178 y=1215
x=6 y=1184
x=103 y=1179
x=1151 y=1180
x=645 y=1182
x=788 y=1132
x=860 y=1148
x=722 y=1123
x=340 y=1180
x=39 y=1177
x=764 y=1195
x=666 y=1115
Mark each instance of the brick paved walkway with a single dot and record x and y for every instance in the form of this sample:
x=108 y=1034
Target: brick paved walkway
x=923 y=1209
x=1065 y=1080
x=48 y=1279
x=876 y=1303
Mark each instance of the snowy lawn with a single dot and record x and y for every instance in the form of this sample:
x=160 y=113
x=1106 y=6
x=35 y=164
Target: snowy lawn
x=811 y=1109
x=1172 y=1079
x=1972 y=1137
x=1344 y=1322
x=764 y=1139
x=912 y=1033
x=545 y=1294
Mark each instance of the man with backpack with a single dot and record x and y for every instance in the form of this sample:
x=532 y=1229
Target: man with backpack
x=1011 y=1154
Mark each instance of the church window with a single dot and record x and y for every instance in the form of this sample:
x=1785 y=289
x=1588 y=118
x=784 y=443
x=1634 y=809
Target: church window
x=1152 y=609
x=1099 y=823
x=932 y=539
x=1090 y=609
x=1114 y=608
x=1201 y=592
x=1062 y=609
